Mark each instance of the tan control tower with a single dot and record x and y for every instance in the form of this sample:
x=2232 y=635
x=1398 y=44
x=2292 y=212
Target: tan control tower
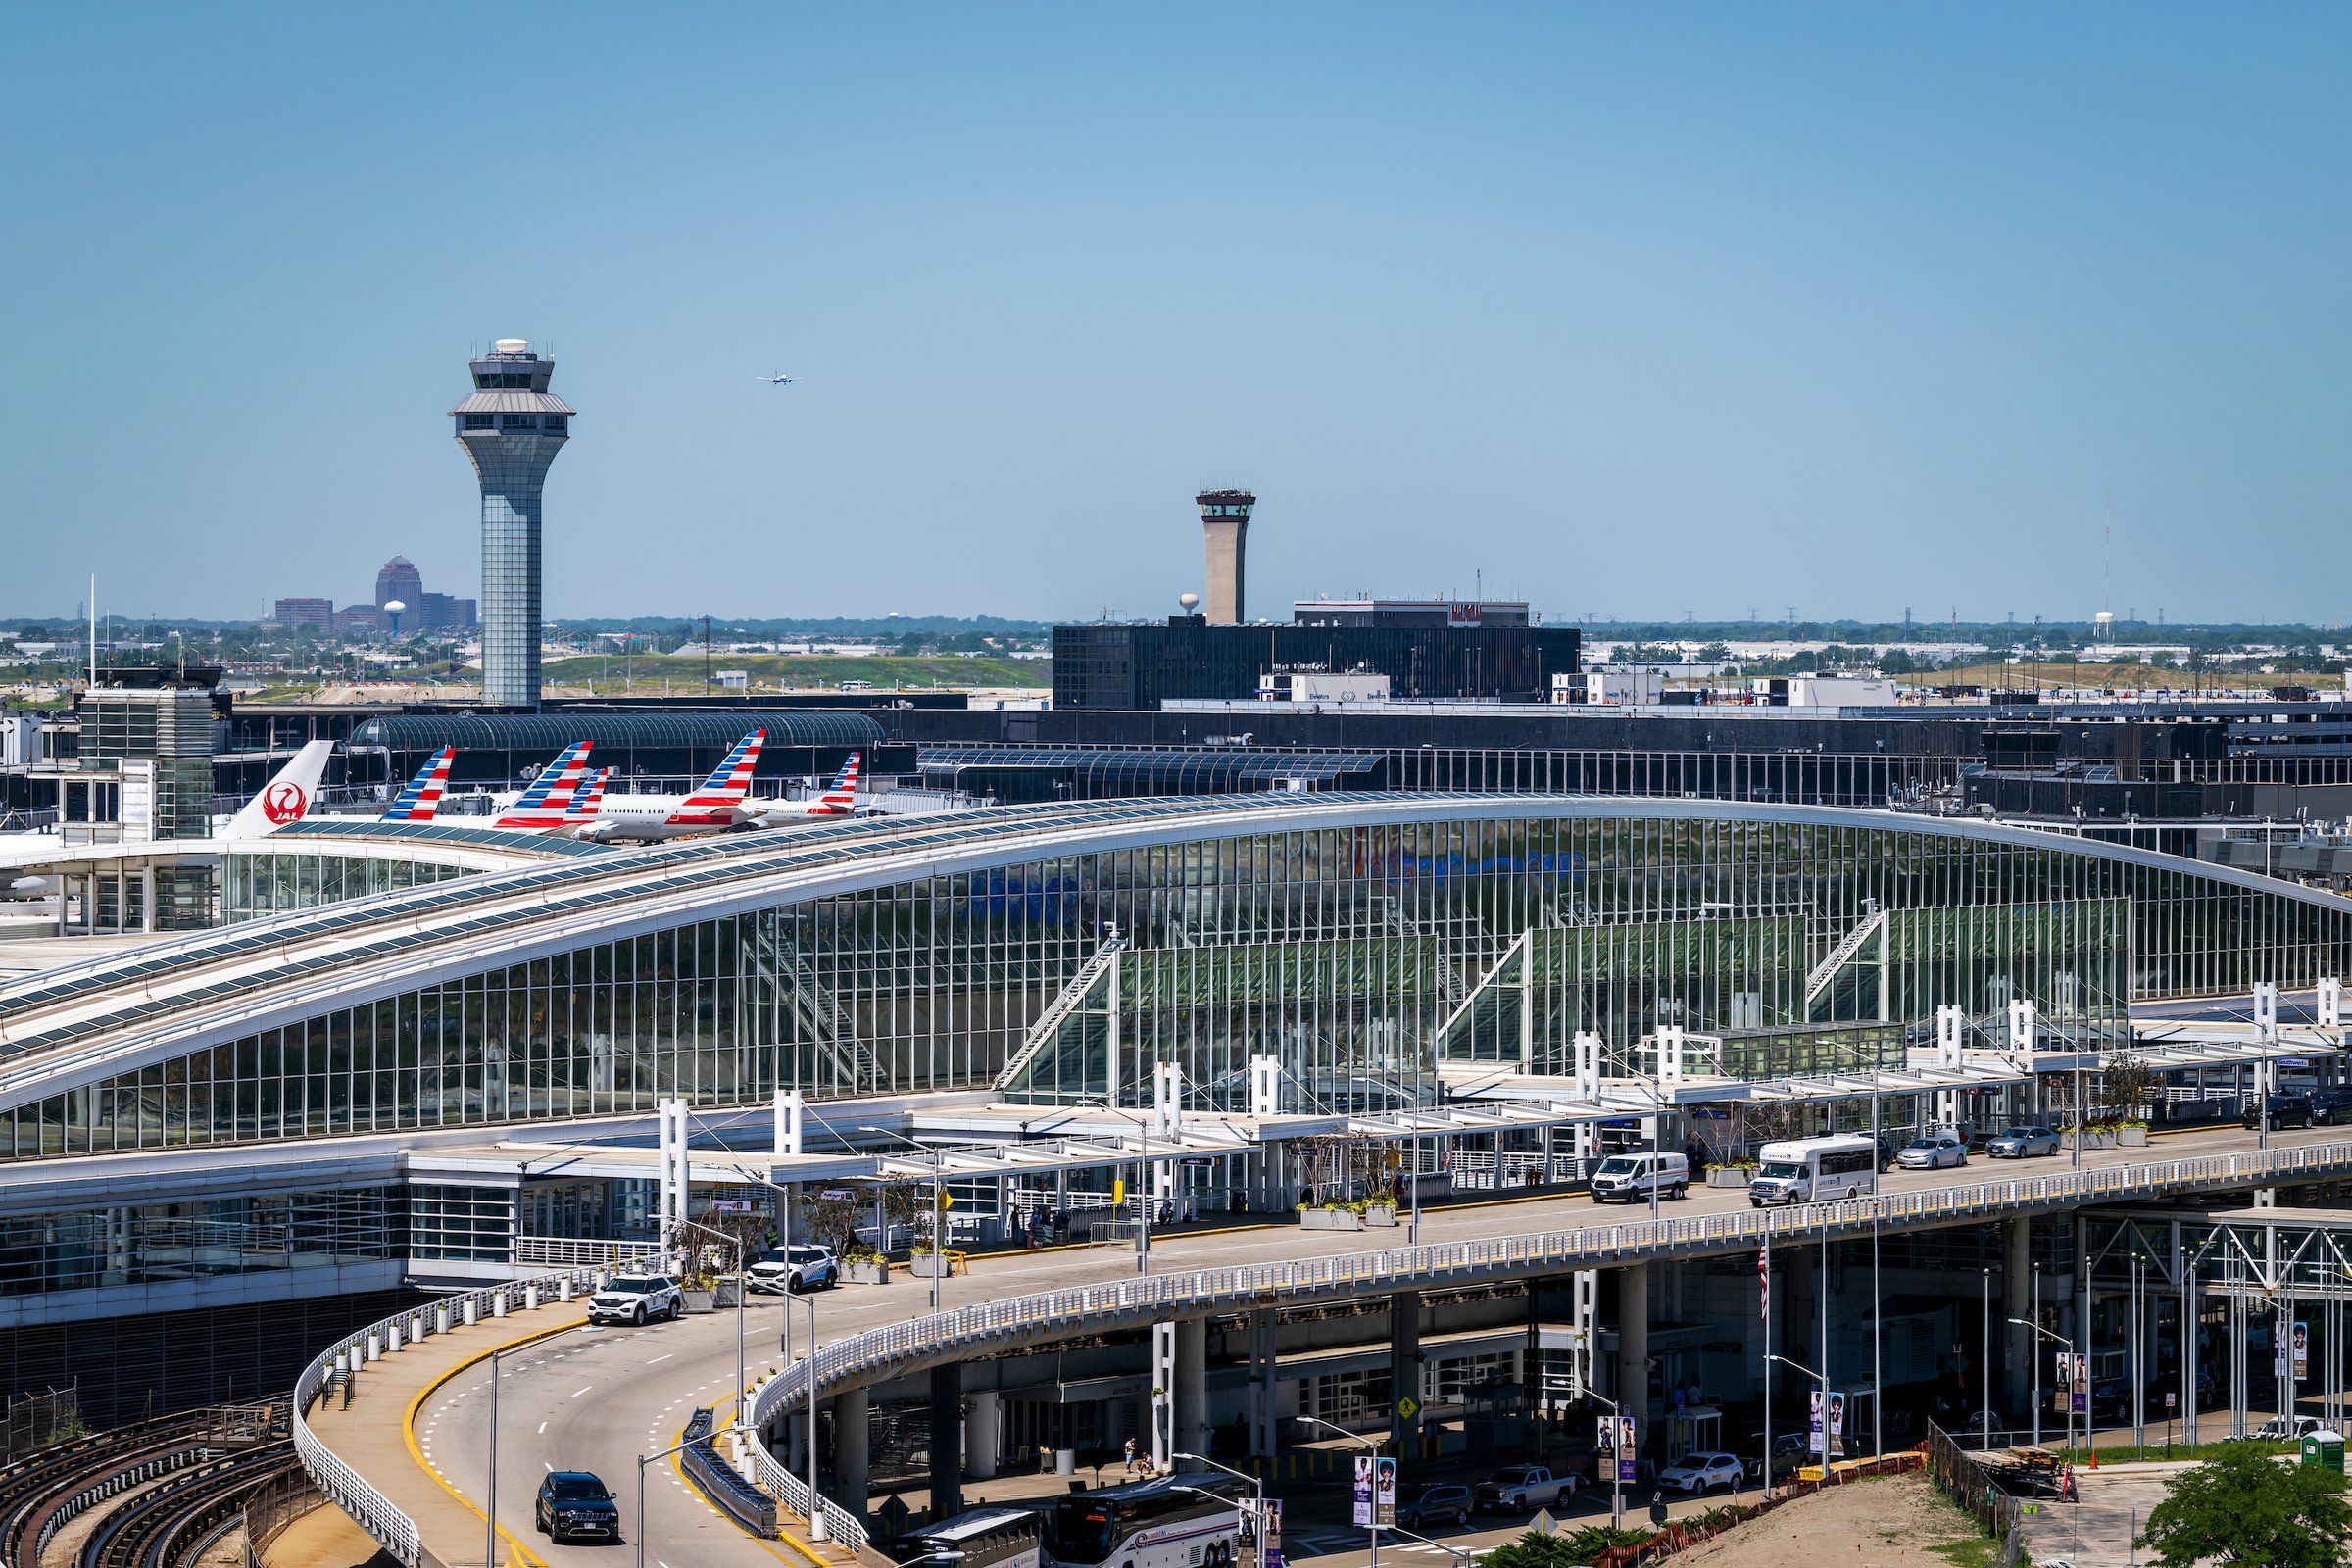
x=1225 y=519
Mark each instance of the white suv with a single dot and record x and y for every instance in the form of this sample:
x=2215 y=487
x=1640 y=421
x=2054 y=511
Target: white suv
x=636 y=1299
x=798 y=1267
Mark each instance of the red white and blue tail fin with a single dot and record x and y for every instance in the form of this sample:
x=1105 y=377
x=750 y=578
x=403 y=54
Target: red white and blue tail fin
x=840 y=796
x=548 y=797
x=731 y=780
x=589 y=799
x=421 y=798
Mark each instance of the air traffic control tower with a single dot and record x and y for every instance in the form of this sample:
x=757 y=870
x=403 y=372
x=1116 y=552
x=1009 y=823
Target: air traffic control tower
x=511 y=428
x=1225 y=520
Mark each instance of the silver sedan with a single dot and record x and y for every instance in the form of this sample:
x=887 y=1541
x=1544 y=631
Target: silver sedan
x=1934 y=1153
x=2020 y=1143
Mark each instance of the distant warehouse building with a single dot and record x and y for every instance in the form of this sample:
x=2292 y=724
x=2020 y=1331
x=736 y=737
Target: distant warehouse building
x=1438 y=649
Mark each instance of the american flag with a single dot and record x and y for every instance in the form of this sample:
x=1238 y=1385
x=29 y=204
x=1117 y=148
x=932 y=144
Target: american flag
x=1764 y=1280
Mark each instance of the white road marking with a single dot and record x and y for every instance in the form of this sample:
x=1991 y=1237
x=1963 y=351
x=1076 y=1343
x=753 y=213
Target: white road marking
x=543 y=1426
x=658 y=1359
x=576 y=1393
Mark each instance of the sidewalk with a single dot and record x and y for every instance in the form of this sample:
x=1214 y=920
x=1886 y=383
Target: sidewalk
x=373 y=1435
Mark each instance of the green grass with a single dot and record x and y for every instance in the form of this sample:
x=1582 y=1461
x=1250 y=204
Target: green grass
x=2178 y=1451
x=647 y=671
x=1962 y=1543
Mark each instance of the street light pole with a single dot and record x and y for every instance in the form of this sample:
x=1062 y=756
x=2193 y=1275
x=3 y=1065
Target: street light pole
x=742 y=1289
x=1617 y=1471
x=637 y=1530
x=1823 y=1384
x=2074 y=1368
x=1373 y=1445
x=1985 y=1411
x=816 y=1511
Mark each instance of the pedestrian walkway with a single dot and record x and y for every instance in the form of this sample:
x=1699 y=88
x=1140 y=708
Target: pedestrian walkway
x=373 y=1435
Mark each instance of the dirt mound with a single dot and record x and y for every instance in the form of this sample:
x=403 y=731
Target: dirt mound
x=1885 y=1522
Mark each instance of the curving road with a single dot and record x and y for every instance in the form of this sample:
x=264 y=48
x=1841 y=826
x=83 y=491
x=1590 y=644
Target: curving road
x=595 y=1398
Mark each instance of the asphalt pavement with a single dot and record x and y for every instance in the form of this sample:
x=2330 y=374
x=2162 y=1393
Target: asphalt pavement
x=595 y=1400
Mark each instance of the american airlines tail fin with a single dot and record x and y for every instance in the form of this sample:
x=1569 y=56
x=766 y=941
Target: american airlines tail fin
x=840 y=796
x=421 y=797
x=549 y=796
x=731 y=780
x=584 y=804
x=287 y=796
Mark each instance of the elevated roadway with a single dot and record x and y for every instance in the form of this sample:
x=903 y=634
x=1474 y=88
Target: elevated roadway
x=596 y=1400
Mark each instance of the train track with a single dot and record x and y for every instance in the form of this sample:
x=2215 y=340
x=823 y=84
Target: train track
x=167 y=1525
x=43 y=1491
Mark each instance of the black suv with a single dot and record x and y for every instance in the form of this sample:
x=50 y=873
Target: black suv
x=2286 y=1111
x=2330 y=1107
x=575 y=1505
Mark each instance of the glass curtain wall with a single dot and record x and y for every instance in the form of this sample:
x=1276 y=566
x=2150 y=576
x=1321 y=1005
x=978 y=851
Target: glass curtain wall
x=1339 y=951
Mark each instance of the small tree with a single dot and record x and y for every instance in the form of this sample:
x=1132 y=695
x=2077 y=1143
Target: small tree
x=831 y=1218
x=2246 y=1508
x=2127 y=1086
x=903 y=1208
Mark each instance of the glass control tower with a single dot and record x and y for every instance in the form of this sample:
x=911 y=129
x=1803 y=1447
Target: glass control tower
x=511 y=428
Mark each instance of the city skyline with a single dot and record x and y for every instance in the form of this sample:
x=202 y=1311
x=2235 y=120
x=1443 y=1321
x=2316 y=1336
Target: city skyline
x=1601 y=311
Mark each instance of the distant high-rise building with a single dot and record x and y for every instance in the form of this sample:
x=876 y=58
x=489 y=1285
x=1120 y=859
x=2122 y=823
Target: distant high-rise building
x=358 y=618
x=511 y=428
x=1225 y=519
x=315 y=612
x=397 y=581
x=442 y=612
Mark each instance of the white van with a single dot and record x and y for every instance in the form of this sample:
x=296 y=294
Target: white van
x=1809 y=1170
x=1629 y=1178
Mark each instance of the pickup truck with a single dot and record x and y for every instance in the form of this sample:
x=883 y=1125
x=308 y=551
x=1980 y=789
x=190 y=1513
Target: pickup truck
x=1519 y=1489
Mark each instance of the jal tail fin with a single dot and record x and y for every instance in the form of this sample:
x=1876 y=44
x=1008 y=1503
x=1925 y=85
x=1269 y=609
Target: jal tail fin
x=549 y=796
x=731 y=780
x=840 y=796
x=288 y=794
x=421 y=798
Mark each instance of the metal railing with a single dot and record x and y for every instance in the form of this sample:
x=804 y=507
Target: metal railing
x=1971 y=1488
x=898 y=1349
x=345 y=1486
x=581 y=1251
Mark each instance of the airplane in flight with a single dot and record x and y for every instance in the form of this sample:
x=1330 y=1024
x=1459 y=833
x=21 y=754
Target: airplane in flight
x=774 y=380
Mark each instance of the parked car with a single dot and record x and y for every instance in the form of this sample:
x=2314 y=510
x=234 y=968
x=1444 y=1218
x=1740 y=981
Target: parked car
x=576 y=1505
x=2286 y=1428
x=636 y=1299
x=1887 y=1154
x=1694 y=1473
x=2332 y=1107
x=2022 y=1143
x=2286 y=1111
x=1445 y=1503
x=1518 y=1488
x=801 y=1266
x=1629 y=1178
x=1933 y=1151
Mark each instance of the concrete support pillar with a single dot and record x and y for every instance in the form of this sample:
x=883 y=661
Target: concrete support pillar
x=1160 y=1441
x=1191 y=1391
x=2017 y=1300
x=1405 y=1372
x=1633 y=1342
x=947 y=1440
x=1262 y=1384
x=983 y=1431
x=852 y=1416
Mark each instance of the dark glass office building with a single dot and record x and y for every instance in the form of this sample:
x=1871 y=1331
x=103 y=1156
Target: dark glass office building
x=1141 y=666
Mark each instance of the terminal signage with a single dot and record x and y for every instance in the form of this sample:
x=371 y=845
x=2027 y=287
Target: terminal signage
x=1360 y=1511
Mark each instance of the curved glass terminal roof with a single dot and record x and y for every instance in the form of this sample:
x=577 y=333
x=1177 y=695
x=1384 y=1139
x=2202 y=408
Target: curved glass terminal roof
x=526 y=905
x=520 y=733
x=523 y=846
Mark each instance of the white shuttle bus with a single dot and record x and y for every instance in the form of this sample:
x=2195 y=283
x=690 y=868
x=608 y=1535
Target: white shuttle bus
x=1813 y=1171
x=1181 y=1521
x=980 y=1538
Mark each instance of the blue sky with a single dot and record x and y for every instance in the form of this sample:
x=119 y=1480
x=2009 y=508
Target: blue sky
x=1633 y=310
